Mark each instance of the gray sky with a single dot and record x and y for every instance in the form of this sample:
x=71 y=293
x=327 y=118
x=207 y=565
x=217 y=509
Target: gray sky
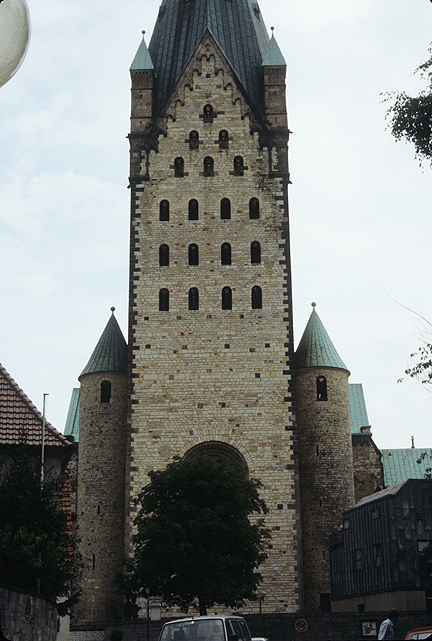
x=361 y=208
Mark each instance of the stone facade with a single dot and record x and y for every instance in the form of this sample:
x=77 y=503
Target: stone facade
x=326 y=473
x=368 y=467
x=100 y=495
x=211 y=376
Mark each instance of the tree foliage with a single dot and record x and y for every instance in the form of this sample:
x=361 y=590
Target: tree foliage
x=194 y=539
x=422 y=369
x=411 y=117
x=35 y=540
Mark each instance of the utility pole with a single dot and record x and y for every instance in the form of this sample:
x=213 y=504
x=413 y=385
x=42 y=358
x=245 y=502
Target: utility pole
x=43 y=443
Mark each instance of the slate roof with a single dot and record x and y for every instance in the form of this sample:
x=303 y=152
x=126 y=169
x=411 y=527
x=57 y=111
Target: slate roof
x=72 y=419
x=389 y=491
x=315 y=348
x=20 y=420
x=236 y=25
x=402 y=464
x=110 y=353
x=359 y=417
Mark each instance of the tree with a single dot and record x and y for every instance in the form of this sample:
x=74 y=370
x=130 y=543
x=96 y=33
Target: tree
x=35 y=537
x=411 y=117
x=194 y=539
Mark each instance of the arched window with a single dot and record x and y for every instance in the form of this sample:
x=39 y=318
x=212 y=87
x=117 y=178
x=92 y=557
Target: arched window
x=254 y=208
x=226 y=298
x=238 y=166
x=193 y=254
x=256 y=297
x=226 y=254
x=321 y=386
x=163 y=256
x=255 y=252
x=208 y=166
x=163 y=300
x=223 y=139
x=193 y=140
x=225 y=208
x=105 y=392
x=208 y=113
x=164 y=210
x=179 y=167
x=193 y=209
x=193 y=298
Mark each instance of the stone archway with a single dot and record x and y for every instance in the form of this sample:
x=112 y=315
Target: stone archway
x=218 y=448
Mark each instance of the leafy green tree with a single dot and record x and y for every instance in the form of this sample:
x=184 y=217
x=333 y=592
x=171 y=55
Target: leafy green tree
x=35 y=536
x=195 y=540
x=411 y=117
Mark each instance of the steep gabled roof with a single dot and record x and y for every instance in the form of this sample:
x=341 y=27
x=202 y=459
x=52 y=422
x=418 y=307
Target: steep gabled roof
x=72 y=419
x=110 y=353
x=400 y=465
x=237 y=27
x=359 y=416
x=142 y=60
x=20 y=420
x=273 y=56
x=315 y=348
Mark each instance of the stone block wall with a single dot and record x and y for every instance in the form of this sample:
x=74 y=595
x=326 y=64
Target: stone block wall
x=368 y=469
x=100 y=495
x=26 y=617
x=326 y=472
x=212 y=375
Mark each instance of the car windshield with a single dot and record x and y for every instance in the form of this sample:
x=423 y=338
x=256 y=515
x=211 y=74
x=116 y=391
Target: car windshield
x=209 y=630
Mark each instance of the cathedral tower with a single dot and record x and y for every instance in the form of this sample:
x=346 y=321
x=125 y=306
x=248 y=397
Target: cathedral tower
x=210 y=315
x=325 y=454
x=101 y=481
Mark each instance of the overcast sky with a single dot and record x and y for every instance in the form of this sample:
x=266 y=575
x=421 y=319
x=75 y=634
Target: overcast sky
x=361 y=208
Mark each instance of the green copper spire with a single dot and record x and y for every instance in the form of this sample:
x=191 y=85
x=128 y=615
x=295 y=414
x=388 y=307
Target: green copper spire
x=315 y=348
x=110 y=354
x=142 y=60
x=273 y=56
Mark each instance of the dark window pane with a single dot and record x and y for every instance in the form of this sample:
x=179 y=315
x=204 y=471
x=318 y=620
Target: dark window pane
x=164 y=210
x=164 y=256
x=225 y=208
x=163 y=300
x=226 y=254
x=193 y=209
x=226 y=298
x=256 y=297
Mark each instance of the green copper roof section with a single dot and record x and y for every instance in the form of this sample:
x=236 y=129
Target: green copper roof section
x=315 y=348
x=400 y=465
x=359 y=417
x=142 y=60
x=273 y=56
x=72 y=419
x=110 y=354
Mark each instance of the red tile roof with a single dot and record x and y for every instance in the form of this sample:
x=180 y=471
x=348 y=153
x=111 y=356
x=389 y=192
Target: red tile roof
x=20 y=420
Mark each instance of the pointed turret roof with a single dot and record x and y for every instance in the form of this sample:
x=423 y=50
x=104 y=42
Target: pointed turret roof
x=237 y=27
x=315 y=348
x=273 y=56
x=142 y=60
x=110 y=354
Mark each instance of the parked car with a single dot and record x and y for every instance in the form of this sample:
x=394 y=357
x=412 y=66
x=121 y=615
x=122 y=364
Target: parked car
x=207 y=628
x=419 y=633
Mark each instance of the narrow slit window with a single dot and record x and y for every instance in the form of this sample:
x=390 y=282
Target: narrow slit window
x=226 y=298
x=164 y=256
x=105 y=392
x=226 y=254
x=208 y=113
x=164 y=210
x=193 y=140
x=255 y=252
x=256 y=297
x=223 y=139
x=193 y=298
x=225 y=210
x=193 y=254
x=179 y=167
x=163 y=300
x=238 y=166
x=321 y=386
x=193 y=209
x=254 y=209
x=208 y=166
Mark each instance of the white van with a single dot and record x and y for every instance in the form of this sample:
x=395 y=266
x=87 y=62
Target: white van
x=207 y=628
